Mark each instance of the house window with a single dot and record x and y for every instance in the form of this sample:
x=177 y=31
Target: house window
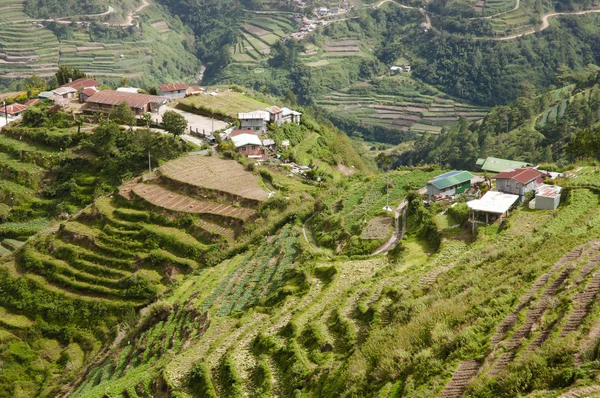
x=253 y=147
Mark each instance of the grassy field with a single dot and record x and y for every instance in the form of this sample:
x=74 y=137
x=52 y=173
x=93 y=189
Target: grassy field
x=228 y=102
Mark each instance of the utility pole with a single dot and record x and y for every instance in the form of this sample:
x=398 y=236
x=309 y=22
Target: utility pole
x=387 y=195
x=149 y=164
x=387 y=192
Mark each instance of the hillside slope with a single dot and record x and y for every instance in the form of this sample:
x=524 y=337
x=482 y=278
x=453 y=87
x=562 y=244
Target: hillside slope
x=507 y=313
x=140 y=42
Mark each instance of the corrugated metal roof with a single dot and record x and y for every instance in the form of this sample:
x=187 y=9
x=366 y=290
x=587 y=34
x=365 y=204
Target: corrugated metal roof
x=288 y=111
x=89 y=91
x=245 y=139
x=14 y=108
x=451 y=179
x=64 y=90
x=524 y=175
x=548 y=191
x=497 y=165
x=82 y=83
x=493 y=202
x=139 y=101
x=264 y=115
x=274 y=110
x=173 y=87
x=238 y=132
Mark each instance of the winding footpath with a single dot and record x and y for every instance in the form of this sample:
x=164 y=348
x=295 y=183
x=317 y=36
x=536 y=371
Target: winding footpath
x=398 y=233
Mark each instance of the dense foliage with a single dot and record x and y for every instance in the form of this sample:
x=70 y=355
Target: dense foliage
x=60 y=8
x=553 y=127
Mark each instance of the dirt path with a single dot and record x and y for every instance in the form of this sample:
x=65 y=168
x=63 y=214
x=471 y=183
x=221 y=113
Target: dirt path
x=145 y=4
x=545 y=19
x=60 y=20
x=398 y=233
x=545 y=24
x=312 y=241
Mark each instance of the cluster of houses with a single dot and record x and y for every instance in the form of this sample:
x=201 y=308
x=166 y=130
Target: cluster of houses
x=86 y=91
x=245 y=140
x=513 y=180
x=324 y=11
x=258 y=121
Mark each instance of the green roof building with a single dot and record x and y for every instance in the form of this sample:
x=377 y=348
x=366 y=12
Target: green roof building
x=497 y=165
x=452 y=183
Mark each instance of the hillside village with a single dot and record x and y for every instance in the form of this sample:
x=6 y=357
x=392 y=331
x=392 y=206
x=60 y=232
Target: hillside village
x=500 y=185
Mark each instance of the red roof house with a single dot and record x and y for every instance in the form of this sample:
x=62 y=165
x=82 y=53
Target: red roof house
x=87 y=93
x=193 y=90
x=14 y=110
x=173 y=90
x=107 y=100
x=82 y=83
x=519 y=181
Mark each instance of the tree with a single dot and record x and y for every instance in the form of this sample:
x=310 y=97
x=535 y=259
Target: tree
x=35 y=83
x=174 y=123
x=147 y=119
x=123 y=114
x=66 y=73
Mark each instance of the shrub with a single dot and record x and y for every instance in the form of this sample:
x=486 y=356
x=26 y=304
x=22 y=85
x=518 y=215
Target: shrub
x=230 y=379
x=200 y=383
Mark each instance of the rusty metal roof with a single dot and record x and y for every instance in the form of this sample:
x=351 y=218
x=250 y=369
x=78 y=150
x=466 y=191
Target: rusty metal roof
x=274 y=110
x=523 y=175
x=14 y=109
x=139 y=101
x=548 y=191
x=64 y=90
x=84 y=82
x=89 y=91
x=173 y=87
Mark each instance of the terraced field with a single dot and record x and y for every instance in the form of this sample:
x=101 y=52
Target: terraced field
x=259 y=33
x=128 y=59
x=406 y=112
x=11 y=10
x=27 y=49
x=492 y=7
x=215 y=176
x=512 y=22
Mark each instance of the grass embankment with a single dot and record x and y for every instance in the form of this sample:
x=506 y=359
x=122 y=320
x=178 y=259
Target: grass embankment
x=224 y=104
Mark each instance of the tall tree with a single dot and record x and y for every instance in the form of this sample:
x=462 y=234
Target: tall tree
x=66 y=73
x=174 y=123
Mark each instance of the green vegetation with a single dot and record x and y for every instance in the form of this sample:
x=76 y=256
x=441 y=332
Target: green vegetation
x=555 y=127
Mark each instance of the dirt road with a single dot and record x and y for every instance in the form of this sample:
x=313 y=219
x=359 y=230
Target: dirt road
x=398 y=232
x=545 y=23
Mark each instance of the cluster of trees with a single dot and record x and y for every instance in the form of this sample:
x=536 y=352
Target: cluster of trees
x=63 y=8
x=121 y=153
x=216 y=24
